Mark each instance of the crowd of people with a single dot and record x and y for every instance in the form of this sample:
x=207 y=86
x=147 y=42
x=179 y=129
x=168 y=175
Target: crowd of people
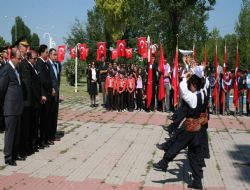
x=123 y=87
x=29 y=99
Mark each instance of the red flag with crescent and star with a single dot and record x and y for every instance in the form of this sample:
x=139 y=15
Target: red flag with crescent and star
x=142 y=47
x=83 y=51
x=72 y=53
x=216 y=86
x=61 y=53
x=175 y=79
x=101 y=51
x=236 y=98
x=222 y=100
x=161 y=91
x=150 y=79
x=114 y=54
x=121 y=48
x=129 y=53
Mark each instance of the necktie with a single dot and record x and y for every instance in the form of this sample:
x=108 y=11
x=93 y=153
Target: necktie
x=17 y=75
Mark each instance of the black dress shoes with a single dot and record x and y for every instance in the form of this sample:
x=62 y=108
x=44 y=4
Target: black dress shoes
x=159 y=146
x=19 y=158
x=161 y=166
x=51 y=143
x=10 y=162
x=195 y=186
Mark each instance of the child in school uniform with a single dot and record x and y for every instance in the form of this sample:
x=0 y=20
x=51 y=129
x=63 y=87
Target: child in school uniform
x=131 y=91
x=109 y=87
x=121 y=88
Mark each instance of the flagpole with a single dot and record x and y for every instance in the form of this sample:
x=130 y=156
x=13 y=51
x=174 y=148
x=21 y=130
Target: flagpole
x=236 y=71
x=216 y=75
x=76 y=63
x=224 y=77
x=177 y=79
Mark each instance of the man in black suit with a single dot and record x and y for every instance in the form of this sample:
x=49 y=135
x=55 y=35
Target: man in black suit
x=25 y=75
x=46 y=90
x=12 y=104
x=54 y=73
x=35 y=101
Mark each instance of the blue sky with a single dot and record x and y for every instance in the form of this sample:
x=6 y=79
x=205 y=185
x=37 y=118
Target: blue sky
x=57 y=16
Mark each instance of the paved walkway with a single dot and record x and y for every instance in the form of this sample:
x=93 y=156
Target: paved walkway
x=109 y=150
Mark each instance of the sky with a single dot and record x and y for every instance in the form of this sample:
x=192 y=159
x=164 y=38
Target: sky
x=57 y=16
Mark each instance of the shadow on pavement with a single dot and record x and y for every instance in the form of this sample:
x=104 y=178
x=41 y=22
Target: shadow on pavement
x=241 y=161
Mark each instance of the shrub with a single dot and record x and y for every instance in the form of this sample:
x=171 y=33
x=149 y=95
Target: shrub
x=69 y=68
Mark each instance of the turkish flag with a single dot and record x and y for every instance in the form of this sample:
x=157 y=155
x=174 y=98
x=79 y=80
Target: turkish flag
x=222 y=100
x=175 y=79
x=142 y=47
x=216 y=86
x=61 y=52
x=121 y=48
x=154 y=49
x=114 y=54
x=161 y=92
x=129 y=53
x=236 y=98
x=149 y=91
x=83 y=51
x=72 y=53
x=101 y=51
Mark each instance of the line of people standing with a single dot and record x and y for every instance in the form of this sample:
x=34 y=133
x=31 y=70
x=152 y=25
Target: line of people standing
x=29 y=100
x=123 y=86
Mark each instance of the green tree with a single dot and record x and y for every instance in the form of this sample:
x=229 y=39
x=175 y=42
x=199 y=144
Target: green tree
x=180 y=14
x=19 y=30
x=243 y=32
x=96 y=32
x=2 y=41
x=116 y=15
x=77 y=34
x=35 y=41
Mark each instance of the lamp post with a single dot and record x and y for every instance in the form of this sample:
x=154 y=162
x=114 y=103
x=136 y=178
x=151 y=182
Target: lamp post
x=52 y=43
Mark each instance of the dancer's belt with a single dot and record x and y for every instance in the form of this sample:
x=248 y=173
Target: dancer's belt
x=203 y=118
x=192 y=124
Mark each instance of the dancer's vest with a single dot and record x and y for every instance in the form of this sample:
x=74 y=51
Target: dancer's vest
x=192 y=122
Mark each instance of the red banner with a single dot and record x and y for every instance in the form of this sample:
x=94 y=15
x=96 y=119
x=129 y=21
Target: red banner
x=114 y=54
x=150 y=81
x=175 y=79
x=216 y=86
x=142 y=47
x=161 y=92
x=121 y=48
x=236 y=98
x=72 y=53
x=61 y=53
x=129 y=53
x=83 y=51
x=101 y=51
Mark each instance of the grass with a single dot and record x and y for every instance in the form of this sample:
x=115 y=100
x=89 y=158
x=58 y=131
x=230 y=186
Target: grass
x=68 y=92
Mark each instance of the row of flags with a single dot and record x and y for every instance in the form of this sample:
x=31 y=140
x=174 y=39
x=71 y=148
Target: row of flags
x=145 y=52
x=120 y=51
x=216 y=87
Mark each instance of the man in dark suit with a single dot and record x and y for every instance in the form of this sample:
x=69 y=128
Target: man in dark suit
x=25 y=75
x=46 y=90
x=12 y=104
x=35 y=101
x=54 y=73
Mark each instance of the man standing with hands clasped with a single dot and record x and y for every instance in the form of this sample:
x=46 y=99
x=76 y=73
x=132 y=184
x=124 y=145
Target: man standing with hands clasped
x=11 y=100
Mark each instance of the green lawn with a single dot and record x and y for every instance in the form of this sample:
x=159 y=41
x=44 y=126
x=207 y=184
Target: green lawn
x=67 y=91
